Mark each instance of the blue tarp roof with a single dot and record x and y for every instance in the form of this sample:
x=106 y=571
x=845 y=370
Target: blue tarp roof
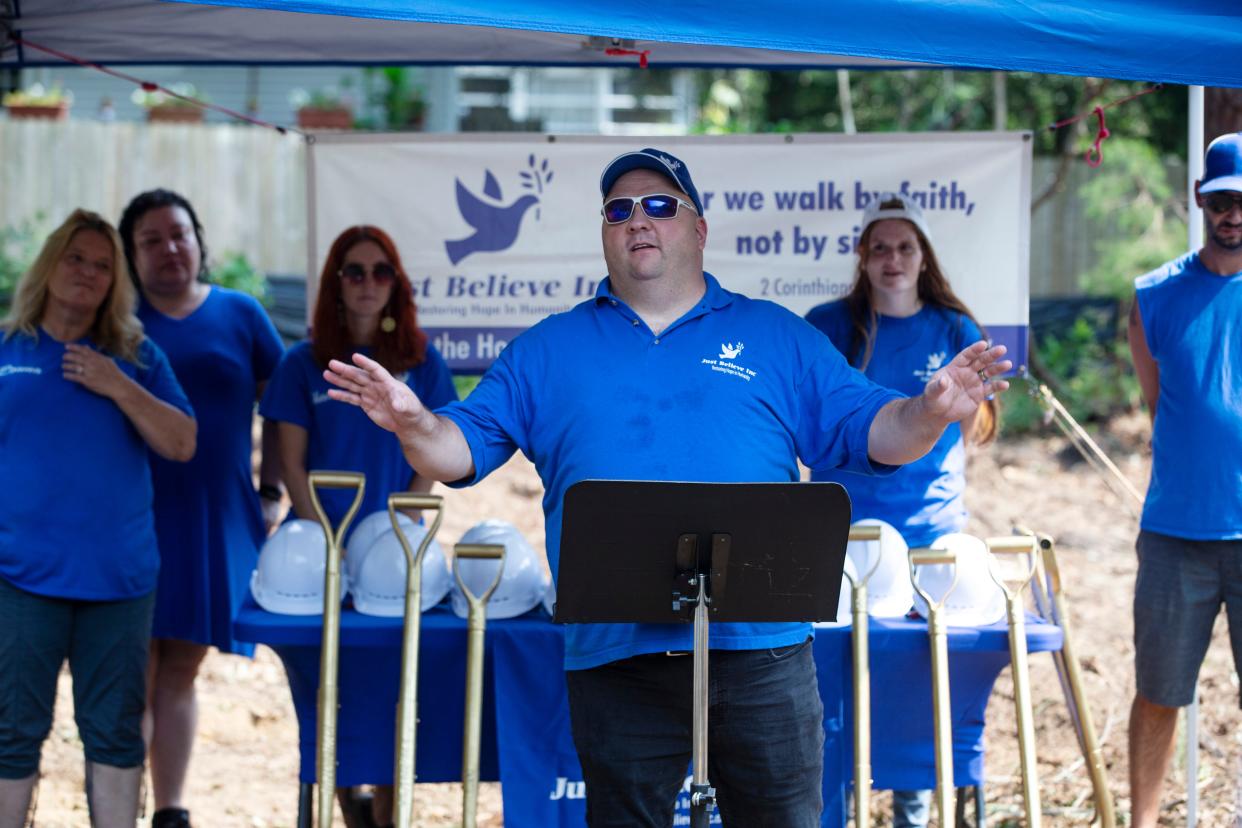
x=1175 y=41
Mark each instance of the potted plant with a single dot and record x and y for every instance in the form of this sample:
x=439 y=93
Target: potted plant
x=168 y=109
x=322 y=109
x=37 y=102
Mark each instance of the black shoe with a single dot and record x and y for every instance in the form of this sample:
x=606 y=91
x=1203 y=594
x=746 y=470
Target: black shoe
x=171 y=818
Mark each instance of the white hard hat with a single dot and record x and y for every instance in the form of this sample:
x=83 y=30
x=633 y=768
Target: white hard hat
x=379 y=587
x=366 y=533
x=290 y=573
x=976 y=600
x=523 y=584
x=889 y=592
x=844 y=601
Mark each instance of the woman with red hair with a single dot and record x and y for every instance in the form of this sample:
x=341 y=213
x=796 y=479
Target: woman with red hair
x=365 y=305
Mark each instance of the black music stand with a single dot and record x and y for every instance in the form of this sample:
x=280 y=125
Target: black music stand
x=649 y=552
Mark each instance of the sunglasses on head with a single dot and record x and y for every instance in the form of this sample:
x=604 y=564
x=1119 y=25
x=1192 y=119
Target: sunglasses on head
x=655 y=205
x=381 y=273
x=1222 y=202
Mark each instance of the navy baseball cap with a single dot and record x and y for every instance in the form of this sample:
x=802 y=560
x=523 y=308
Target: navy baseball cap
x=659 y=161
x=1222 y=169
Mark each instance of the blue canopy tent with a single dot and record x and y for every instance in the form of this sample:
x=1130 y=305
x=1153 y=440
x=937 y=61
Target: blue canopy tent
x=1155 y=40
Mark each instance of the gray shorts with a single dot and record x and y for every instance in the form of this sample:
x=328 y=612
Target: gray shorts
x=1178 y=594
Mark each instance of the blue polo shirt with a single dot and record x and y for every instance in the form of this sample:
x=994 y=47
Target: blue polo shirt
x=736 y=390
x=1193 y=322
x=75 y=513
x=924 y=499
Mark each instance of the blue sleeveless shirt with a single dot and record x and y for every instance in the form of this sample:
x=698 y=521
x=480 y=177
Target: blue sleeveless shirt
x=1193 y=322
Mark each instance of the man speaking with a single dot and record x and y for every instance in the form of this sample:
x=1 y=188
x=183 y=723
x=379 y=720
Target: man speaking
x=666 y=375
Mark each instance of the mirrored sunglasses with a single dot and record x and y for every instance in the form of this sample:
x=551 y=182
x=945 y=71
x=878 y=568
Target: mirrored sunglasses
x=655 y=205
x=1222 y=202
x=382 y=273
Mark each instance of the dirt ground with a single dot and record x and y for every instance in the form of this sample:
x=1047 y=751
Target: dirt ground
x=245 y=765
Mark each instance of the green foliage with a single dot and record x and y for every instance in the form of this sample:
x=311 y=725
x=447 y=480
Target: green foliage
x=19 y=244
x=465 y=384
x=158 y=98
x=392 y=90
x=1131 y=195
x=745 y=100
x=235 y=271
x=38 y=95
x=1088 y=369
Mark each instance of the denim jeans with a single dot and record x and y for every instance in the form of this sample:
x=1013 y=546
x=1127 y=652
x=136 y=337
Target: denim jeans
x=631 y=723
x=106 y=644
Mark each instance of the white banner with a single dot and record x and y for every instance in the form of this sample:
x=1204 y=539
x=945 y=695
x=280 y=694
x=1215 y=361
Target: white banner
x=498 y=231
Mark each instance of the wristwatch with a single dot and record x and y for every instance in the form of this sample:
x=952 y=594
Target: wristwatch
x=269 y=492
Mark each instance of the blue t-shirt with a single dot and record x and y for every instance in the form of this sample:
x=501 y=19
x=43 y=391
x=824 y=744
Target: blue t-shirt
x=340 y=436
x=1193 y=322
x=75 y=516
x=924 y=499
x=207 y=515
x=734 y=391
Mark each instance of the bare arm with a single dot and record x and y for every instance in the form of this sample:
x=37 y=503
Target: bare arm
x=269 y=450
x=293 y=440
x=168 y=431
x=432 y=444
x=1145 y=365
x=905 y=430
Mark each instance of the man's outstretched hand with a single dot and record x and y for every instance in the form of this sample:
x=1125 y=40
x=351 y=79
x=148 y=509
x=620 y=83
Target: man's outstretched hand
x=389 y=403
x=956 y=390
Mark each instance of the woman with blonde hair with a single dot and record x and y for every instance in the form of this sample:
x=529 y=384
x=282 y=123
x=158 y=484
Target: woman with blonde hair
x=899 y=323
x=83 y=396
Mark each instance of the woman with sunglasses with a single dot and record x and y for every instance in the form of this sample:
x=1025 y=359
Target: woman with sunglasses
x=365 y=305
x=209 y=518
x=899 y=323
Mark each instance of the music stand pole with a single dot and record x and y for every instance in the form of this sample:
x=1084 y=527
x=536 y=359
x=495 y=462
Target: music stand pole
x=702 y=795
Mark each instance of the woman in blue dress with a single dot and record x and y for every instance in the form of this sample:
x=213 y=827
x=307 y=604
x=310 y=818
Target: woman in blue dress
x=365 y=304
x=208 y=516
x=83 y=396
x=900 y=322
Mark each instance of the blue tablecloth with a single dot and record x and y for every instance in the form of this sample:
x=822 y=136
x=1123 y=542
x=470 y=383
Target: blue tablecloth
x=526 y=740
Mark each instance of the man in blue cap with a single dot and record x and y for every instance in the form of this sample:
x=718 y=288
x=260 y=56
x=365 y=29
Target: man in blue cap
x=666 y=375
x=1186 y=341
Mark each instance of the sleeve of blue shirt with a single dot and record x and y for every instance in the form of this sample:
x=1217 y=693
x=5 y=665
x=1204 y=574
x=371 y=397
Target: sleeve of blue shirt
x=838 y=404
x=493 y=418
x=267 y=348
x=287 y=397
x=157 y=377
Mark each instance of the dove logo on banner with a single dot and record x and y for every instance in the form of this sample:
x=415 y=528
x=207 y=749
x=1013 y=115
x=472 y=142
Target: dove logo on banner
x=496 y=222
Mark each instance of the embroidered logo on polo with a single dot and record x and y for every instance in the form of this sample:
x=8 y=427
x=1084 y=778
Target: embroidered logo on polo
x=6 y=370
x=725 y=362
x=934 y=363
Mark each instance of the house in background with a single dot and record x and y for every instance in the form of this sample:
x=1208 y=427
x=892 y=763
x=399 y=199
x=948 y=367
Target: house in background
x=623 y=101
